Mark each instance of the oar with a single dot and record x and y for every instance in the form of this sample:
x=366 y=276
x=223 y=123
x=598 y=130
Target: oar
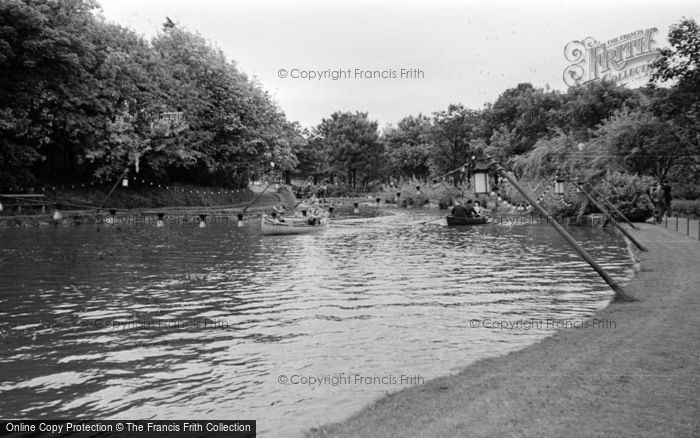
x=431 y=220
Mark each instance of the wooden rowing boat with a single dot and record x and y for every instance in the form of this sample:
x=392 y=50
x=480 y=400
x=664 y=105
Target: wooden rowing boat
x=269 y=226
x=456 y=220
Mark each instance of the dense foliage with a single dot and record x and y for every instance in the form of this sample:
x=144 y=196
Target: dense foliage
x=82 y=99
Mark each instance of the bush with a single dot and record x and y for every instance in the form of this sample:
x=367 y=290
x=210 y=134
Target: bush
x=629 y=194
x=686 y=208
x=443 y=194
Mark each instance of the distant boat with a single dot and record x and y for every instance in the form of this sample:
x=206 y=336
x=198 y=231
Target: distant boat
x=291 y=226
x=456 y=220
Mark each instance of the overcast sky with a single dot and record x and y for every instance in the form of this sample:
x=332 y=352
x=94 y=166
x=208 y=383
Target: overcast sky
x=468 y=52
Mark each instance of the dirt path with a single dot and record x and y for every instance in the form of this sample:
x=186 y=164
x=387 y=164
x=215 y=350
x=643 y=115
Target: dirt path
x=640 y=378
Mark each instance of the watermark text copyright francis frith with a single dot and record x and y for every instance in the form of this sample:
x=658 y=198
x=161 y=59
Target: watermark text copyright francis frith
x=338 y=74
x=350 y=379
x=542 y=324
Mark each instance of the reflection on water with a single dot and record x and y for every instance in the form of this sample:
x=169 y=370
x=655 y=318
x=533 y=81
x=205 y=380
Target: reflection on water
x=188 y=323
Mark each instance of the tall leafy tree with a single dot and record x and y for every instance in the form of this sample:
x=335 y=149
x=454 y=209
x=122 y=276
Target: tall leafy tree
x=641 y=143
x=408 y=147
x=353 y=146
x=526 y=113
x=678 y=67
x=454 y=133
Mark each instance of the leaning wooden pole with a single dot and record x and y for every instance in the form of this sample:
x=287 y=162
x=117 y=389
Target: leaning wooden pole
x=620 y=294
x=257 y=197
x=615 y=209
x=607 y=215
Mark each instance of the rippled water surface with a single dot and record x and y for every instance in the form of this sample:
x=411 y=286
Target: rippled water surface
x=110 y=324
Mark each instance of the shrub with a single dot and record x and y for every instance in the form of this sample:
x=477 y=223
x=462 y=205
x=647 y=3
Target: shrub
x=443 y=194
x=629 y=194
x=685 y=208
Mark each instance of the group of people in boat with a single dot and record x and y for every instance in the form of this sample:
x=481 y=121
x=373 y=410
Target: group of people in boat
x=313 y=217
x=470 y=209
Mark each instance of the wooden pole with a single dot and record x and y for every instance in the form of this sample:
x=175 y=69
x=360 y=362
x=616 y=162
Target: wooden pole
x=257 y=197
x=620 y=294
x=610 y=218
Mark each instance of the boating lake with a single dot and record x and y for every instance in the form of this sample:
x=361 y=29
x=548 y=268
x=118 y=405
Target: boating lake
x=139 y=322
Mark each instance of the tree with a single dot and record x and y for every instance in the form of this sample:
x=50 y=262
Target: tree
x=454 y=132
x=408 y=147
x=679 y=67
x=312 y=156
x=586 y=106
x=48 y=94
x=83 y=99
x=641 y=143
x=353 y=146
x=527 y=113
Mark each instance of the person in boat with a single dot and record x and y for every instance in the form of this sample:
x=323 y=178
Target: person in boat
x=277 y=218
x=459 y=210
x=470 y=209
x=477 y=209
x=279 y=211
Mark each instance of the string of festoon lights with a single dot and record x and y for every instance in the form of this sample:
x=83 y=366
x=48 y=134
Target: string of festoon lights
x=125 y=182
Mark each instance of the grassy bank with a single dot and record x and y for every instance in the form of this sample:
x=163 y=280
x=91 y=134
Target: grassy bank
x=638 y=378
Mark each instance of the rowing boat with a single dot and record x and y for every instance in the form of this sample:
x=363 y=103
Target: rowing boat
x=269 y=226
x=456 y=220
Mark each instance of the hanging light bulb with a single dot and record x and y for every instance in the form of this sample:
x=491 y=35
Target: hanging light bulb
x=125 y=182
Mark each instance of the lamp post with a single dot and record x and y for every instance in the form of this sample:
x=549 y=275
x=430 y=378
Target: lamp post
x=559 y=186
x=480 y=178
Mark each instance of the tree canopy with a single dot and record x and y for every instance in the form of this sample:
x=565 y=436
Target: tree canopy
x=82 y=99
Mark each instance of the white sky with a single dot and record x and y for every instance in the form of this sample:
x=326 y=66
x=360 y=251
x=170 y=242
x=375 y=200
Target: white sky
x=470 y=52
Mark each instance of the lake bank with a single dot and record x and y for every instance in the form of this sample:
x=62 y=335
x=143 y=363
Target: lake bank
x=635 y=377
